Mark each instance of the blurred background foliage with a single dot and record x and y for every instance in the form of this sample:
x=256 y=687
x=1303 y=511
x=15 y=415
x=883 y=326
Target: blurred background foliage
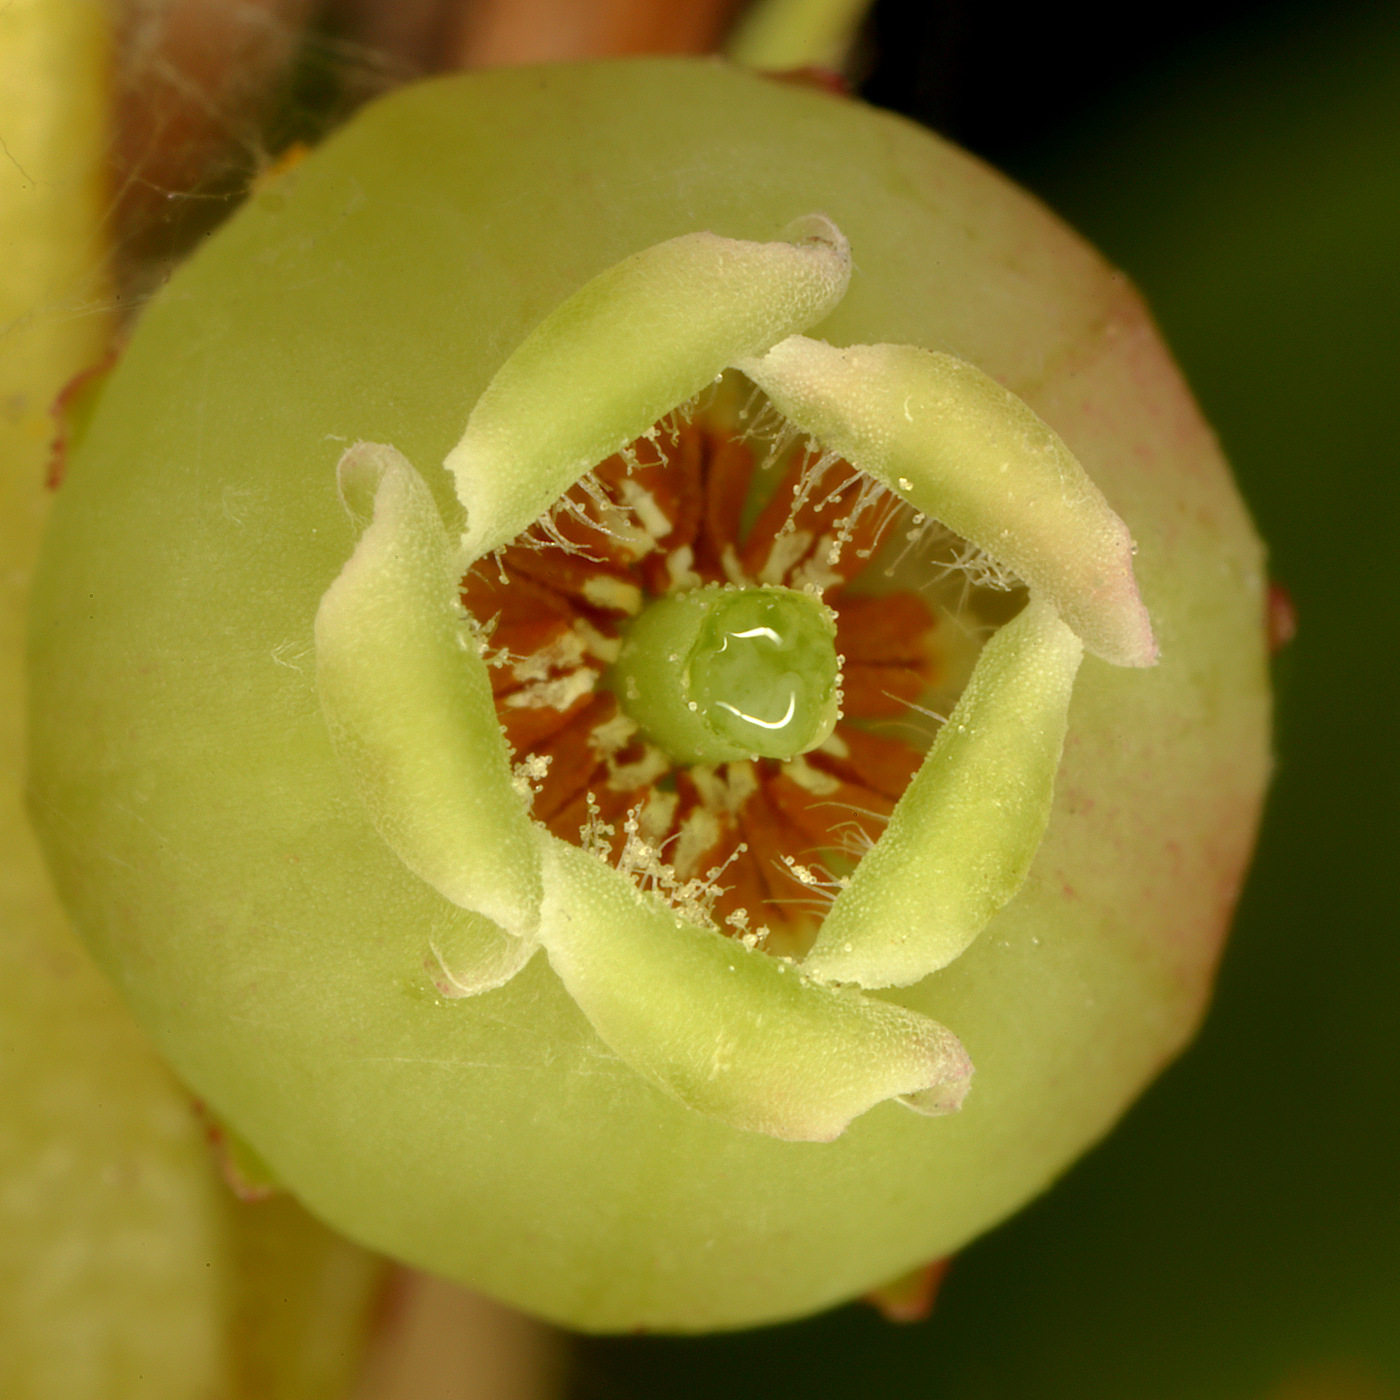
x=1239 y=1235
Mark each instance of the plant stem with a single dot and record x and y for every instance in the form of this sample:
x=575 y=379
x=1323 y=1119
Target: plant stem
x=779 y=35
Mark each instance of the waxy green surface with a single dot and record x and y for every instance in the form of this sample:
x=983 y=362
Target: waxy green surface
x=223 y=869
x=765 y=673
x=718 y=674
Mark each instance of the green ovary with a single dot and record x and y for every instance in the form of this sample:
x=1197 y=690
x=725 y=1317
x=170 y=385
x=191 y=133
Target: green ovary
x=718 y=674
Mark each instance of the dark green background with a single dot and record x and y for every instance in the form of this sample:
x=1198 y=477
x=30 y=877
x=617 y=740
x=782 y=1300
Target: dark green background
x=1242 y=1227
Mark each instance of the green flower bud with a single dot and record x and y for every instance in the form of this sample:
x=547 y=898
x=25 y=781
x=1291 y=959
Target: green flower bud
x=324 y=757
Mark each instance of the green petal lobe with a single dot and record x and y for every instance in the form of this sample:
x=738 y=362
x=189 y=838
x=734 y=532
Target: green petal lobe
x=732 y=1032
x=407 y=700
x=960 y=841
x=628 y=347
x=964 y=450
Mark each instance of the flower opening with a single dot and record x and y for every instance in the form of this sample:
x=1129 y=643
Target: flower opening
x=757 y=844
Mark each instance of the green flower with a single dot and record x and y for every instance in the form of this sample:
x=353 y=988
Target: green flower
x=270 y=767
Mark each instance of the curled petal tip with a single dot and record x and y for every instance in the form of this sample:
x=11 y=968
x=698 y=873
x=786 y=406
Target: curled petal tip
x=1140 y=643
x=471 y=955
x=818 y=232
x=946 y=1096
